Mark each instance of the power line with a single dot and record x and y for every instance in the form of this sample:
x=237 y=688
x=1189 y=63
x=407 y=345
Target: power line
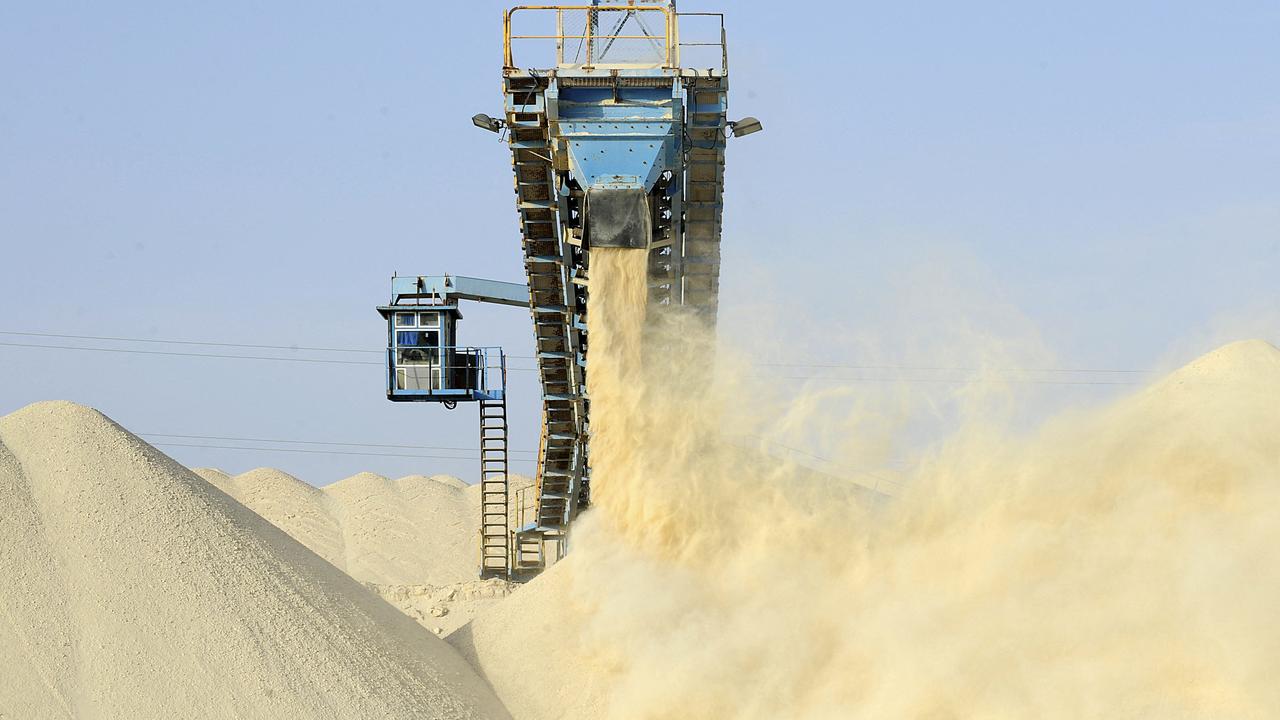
x=840 y=366
x=187 y=354
x=789 y=448
x=832 y=464
x=472 y=457
x=211 y=344
x=325 y=361
x=926 y=368
x=316 y=442
x=321 y=452
x=189 y=342
x=943 y=381
x=174 y=353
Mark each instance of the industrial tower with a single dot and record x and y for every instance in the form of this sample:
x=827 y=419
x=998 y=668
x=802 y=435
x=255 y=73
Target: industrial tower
x=615 y=142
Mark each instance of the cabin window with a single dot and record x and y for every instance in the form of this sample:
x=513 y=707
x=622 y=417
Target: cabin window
x=418 y=347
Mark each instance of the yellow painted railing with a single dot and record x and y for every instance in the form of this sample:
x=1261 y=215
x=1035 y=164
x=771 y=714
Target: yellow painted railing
x=595 y=43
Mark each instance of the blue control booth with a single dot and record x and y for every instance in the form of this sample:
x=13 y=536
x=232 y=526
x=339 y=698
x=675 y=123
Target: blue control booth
x=425 y=361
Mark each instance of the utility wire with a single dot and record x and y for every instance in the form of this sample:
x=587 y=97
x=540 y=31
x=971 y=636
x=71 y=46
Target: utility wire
x=316 y=442
x=827 y=378
x=174 y=353
x=165 y=443
x=189 y=342
x=941 y=381
x=188 y=354
x=824 y=365
x=212 y=344
x=324 y=361
x=322 y=452
x=926 y=368
x=327 y=361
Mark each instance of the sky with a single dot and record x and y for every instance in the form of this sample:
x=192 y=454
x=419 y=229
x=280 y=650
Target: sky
x=1101 y=179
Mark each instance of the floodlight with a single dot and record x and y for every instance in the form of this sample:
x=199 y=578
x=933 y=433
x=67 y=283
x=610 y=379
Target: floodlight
x=745 y=126
x=487 y=123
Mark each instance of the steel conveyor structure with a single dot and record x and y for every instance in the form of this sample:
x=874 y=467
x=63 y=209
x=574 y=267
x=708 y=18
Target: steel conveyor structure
x=613 y=143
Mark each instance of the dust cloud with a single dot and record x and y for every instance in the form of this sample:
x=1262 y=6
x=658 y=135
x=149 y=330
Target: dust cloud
x=1118 y=562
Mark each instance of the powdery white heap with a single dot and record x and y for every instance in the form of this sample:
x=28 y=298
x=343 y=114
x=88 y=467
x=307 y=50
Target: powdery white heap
x=131 y=588
x=417 y=530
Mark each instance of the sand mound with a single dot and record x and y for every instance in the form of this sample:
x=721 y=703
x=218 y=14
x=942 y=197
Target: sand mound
x=216 y=478
x=412 y=541
x=412 y=532
x=286 y=501
x=133 y=588
x=449 y=480
x=547 y=613
x=394 y=533
x=1124 y=563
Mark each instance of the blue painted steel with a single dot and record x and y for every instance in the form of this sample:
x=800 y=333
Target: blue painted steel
x=481 y=376
x=424 y=361
x=448 y=288
x=618 y=136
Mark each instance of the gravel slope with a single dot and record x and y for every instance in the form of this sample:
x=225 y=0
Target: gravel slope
x=134 y=588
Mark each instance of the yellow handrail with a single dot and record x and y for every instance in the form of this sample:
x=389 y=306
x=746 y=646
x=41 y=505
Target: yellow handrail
x=670 y=46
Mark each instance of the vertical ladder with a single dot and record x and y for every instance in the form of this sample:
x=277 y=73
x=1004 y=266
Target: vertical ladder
x=494 y=530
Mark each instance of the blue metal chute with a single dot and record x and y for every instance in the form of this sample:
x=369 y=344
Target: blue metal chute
x=622 y=136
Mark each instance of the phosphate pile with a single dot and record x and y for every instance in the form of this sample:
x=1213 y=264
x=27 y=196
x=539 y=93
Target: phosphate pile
x=1121 y=563
x=411 y=540
x=133 y=588
x=391 y=532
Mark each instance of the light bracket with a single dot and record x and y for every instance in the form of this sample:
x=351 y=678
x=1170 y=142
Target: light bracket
x=745 y=126
x=484 y=122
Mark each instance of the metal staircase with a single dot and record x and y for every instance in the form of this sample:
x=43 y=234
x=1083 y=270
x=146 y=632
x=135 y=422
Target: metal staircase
x=529 y=555
x=705 y=124
x=494 y=531
x=557 y=301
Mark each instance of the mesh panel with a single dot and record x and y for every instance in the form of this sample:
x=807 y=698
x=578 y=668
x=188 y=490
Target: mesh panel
x=644 y=37
x=575 y=48
x=605 y=36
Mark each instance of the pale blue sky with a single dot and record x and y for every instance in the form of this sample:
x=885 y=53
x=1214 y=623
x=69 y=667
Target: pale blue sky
x=253 y=172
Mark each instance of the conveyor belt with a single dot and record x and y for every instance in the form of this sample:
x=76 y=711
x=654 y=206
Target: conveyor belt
x=556 y=303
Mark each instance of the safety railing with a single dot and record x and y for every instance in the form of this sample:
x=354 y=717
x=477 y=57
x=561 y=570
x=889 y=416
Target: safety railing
x=590 y=35
x=447 y=371
x=524 y=507
x=703 y=53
